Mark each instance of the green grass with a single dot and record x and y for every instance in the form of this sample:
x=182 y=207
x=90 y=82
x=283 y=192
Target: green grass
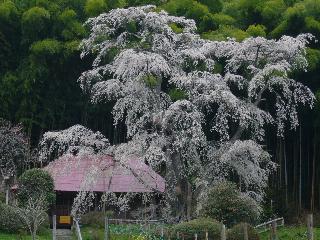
x=284 y=233
x=118 y=232
x=292 y=233
x=89 y=233
x=44 y=235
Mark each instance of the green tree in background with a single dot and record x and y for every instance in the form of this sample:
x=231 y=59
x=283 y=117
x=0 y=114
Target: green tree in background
x=35 y=23
x=34 y=184
x=95 y=7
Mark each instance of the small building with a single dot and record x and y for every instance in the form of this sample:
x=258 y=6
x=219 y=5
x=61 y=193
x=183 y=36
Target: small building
x=99 y=174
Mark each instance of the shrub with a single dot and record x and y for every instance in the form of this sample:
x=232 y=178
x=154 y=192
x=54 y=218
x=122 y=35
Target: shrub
x=9 y=219
x=95 y=219
x=2 y=197
x=227 y=204
x=199 y=226
x=237 y=232
x=36 y=183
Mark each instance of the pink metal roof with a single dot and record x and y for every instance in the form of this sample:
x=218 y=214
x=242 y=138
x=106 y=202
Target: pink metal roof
x=103 y=174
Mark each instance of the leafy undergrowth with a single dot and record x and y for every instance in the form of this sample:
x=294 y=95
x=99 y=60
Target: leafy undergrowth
x=284 y=233
x=88 y=233
x=44 y=235
x=117 y=233
x=291 y=233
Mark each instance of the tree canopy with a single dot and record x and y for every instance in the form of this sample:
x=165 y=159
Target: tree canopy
x=150 y=58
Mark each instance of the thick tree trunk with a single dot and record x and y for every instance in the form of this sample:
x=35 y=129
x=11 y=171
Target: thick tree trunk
x=181 y=188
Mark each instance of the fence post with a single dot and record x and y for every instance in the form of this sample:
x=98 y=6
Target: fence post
x=162 y=232
x=273 y=231
x=223 y=232
x=207 y=235
x=245 y=233
x=106 y=228
x=195 y=236
x=54 y=227
x=310 y=226
x=78 y=230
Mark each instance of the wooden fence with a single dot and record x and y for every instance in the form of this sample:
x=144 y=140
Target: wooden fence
x=269 y=225
x=263 y=227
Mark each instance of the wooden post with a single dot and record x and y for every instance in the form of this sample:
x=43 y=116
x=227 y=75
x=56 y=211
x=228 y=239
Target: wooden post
x=7 y=196
x=106 y=228
x=162 y=232
x=78 y=230
x=273 y=232
x=223 y=232
x=245 y=231
x=207 y=236
x=310 y=226
x=54 y=227
x=178 y=235
x=195 y=236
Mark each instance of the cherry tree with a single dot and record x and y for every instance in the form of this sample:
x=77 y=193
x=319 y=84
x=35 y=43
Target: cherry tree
x=33 y=215
x=217 y=126
x=214 y=127
x=83 y=143
x=75 y=140
x=13 y=151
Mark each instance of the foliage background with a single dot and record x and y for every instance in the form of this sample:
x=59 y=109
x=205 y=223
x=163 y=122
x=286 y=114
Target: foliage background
x=39 y=65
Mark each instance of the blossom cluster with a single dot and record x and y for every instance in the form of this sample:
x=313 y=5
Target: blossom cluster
x=139 y=57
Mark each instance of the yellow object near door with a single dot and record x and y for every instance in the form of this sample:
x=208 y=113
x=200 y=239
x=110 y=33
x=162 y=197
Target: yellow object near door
x=65 y=220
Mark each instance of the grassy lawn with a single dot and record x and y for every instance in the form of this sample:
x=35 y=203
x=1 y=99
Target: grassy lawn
x=88 y=233
x=292 y=233
x=24 y=236
x=284 y=233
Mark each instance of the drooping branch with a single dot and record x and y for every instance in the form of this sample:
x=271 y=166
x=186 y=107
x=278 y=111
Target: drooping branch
x=142 y=75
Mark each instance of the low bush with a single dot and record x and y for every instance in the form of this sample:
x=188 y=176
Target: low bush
x=9 y=219
x=228 y=205
x=2 y=197
x=95 y=218
x=34 y=184
x=199 y=226
x=237 y=232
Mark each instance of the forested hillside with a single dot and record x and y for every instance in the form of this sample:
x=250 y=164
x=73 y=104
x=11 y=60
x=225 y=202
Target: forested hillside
x=40 y=64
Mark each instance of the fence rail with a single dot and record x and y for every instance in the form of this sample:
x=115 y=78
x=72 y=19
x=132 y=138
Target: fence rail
x=269 y=225
x=133 y=221
x=263 y=227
